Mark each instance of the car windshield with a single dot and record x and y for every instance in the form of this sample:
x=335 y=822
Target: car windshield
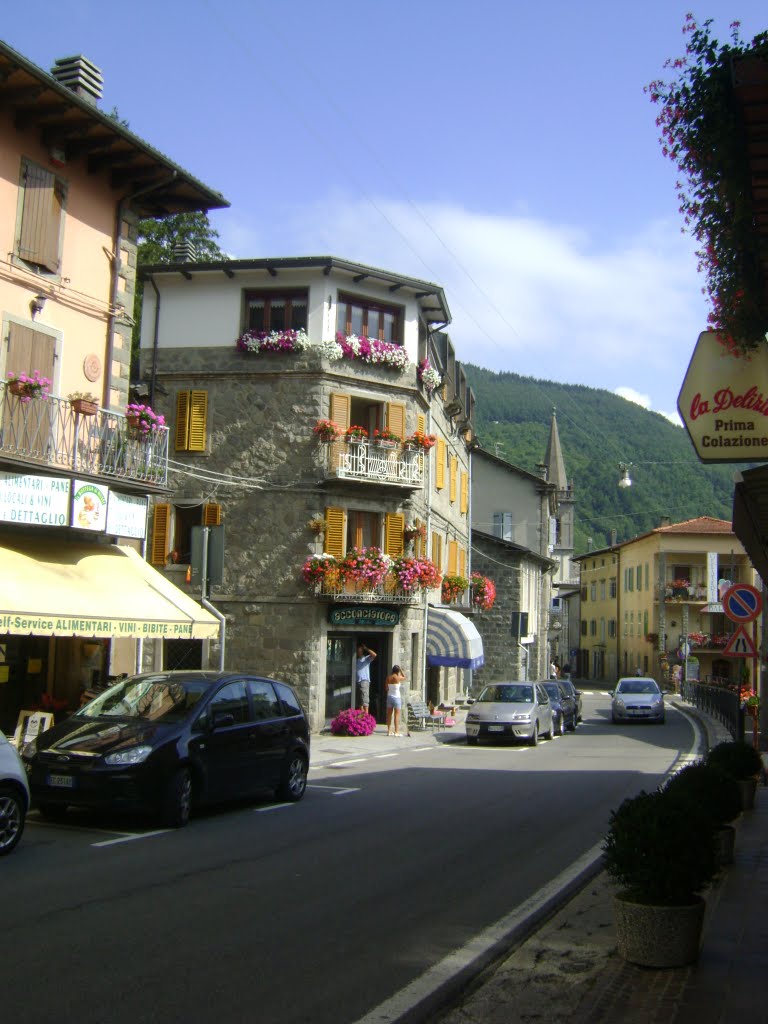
x=508 y=693
x=638 y=686
x=553 y=690
x=147 y=698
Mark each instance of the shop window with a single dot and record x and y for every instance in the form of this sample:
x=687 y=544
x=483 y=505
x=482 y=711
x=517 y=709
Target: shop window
x=369 y=319
x=40 y=220
x=171 y=537
x=191 y=421
x=276 y=310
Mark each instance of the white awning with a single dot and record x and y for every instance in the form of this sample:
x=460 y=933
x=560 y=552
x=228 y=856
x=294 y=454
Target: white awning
x=53 y=588
x=453 y=640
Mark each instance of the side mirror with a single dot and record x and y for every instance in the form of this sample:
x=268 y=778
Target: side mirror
x=611 y=693
x=578 y=692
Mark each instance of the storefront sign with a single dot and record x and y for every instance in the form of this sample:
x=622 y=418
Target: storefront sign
x=363 y=615
x=49 y=625
x=724 y=403
x=34 y=500
x=126 y=515
x=89 y=506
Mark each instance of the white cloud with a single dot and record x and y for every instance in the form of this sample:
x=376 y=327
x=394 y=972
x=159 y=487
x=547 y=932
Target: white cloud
x=634 y=396
x=536 y=298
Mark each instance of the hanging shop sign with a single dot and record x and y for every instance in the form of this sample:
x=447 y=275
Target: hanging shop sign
x=89 y=506
x=126 y=515
x=34 y=500
x=363 y=615
x=724 y=403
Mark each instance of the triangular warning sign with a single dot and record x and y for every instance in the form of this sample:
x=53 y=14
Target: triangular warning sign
x=740 y=645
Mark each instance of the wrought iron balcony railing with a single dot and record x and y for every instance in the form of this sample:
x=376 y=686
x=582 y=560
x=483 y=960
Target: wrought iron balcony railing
x=384 y=593
x=380 y=463
x=47 y=432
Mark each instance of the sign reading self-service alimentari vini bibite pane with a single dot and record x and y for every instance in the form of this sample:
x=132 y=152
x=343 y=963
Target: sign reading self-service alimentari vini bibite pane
x=724 y=402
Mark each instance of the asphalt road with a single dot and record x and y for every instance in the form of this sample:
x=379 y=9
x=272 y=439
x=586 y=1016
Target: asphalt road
x=316 y=912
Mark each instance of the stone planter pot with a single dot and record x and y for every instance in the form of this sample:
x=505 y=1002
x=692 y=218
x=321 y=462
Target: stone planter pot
x=725 y=839
x=658 y=936
x=747 y=789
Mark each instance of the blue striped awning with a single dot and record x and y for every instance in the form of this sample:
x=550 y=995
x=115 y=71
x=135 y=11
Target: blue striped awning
x=453 y=640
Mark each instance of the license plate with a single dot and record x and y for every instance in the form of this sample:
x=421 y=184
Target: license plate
x=496 y=728
x=61 y=781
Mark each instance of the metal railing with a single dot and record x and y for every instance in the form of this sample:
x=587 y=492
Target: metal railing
x=723 y=704
x=385 y=593
x=381 y=463
x=47 y=432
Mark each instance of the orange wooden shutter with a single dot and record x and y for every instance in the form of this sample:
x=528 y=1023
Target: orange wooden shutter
x=462 y=562
x=198 y=421
x=464 y=506
x=41 y=217
x=161 y=526
x=440 y=464
x=453 y=558
x=454 y=468
x=335 y=528
x=341 y=409
x=394 y=524
x=181 y=433
x=437 y=550
x=421 y=423
x=212 y=515
x=396 y=418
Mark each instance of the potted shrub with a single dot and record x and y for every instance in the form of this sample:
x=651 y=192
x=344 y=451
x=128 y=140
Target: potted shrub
x=742 y=762
x=84 y=403
x=661 y=849
x=353 y=722
x=717 y=793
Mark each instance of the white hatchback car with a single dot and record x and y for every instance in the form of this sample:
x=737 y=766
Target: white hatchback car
x=14 y=796
x=514 y=710
x=637 y=698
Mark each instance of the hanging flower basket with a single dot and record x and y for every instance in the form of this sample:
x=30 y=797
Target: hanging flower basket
x=327 y=431
x=143 y=421
x=26 y=387
x=84 y=403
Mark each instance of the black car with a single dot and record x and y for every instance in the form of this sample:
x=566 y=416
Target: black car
x=170 y=741
x=577 y=695
x=563 y=707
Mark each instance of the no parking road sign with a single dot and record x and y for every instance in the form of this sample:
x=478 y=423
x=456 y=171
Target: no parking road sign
x=742 y=602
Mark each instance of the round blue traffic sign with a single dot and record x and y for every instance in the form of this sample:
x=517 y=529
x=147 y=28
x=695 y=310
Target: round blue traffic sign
x=742 y=602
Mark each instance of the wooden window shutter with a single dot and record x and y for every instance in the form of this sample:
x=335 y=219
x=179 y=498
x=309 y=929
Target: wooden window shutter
x=198 y=421
x=453 y=558
x=335 y=527
x=341 y=409
x=396 y=418
x=394 y=524
x=437 y=550
x=420 y=545
x=464 y=506
x=454 y=468
x=440 y=464
x=212 y=515
x=421 y=423
x=161 y=526
x=462 y=562
x=41 y=217
x=181 y=436
x=30 y=350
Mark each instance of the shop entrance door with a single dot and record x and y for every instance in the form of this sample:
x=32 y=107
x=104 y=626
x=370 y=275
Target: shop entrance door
x=339 y=673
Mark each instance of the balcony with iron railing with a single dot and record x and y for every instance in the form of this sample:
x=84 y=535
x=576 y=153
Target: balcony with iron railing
x=47 y=432
x=382 y=593
x=387 y=462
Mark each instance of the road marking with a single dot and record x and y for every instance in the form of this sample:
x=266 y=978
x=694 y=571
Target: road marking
x=379 y=757
x=132 y=837
x=343 y=764
x=480 y=948
x=63 y=827
x=338 y=790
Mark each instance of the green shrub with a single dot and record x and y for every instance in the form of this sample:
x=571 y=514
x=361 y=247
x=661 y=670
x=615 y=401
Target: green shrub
x=661 y=849
x=716 y=792
x=737 y=758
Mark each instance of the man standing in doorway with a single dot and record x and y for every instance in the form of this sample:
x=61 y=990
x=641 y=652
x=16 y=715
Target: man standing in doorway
x=363 y=674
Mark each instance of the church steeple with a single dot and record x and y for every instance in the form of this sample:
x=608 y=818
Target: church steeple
x=554 y=459
x=563 y=545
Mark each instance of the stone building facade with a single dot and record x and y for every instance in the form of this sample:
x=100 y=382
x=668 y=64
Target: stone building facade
x=245 y=457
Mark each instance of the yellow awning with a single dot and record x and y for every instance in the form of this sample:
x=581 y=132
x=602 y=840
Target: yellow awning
x=52 y=588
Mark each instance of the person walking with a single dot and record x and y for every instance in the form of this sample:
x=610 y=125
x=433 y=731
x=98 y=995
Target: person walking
x=393 y=684
x=363 y=674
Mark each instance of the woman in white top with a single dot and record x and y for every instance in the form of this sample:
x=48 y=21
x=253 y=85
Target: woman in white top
x=394 y=699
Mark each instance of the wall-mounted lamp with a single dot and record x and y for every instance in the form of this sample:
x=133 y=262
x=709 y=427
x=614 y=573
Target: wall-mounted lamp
x=37 y=305
x=626 y=479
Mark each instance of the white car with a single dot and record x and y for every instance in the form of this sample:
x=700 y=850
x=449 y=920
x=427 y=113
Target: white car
x=517 y=710
x=14 y=796
x=637 y=698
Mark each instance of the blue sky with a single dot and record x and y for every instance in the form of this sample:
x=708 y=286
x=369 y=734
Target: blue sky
x=505 y=150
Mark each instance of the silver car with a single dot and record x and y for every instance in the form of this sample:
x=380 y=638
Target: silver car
x=637 y=698
x=513 y=710
x=14 y=796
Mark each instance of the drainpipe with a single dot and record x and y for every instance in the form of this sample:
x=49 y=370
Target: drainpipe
x=116 y=268
x=207 y=604
x=155 y=343
x=425 y=627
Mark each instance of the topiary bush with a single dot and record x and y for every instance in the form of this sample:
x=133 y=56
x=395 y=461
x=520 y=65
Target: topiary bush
x=661 y=849
x=353 y=722
x=716 y=792
x=738 y=759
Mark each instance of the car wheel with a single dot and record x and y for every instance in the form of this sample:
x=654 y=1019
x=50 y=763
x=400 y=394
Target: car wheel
x=471 y=741
x=294 y=780
x=561 y=725
x=534 y=740
x=177 y=804
x=12 y=813
x=54 y=812
x=572 y=724
x=614 y=719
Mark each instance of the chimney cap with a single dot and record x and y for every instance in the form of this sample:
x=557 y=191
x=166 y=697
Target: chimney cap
x=81 y=76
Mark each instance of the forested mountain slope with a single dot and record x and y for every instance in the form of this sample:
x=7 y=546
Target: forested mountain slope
x=598 y=430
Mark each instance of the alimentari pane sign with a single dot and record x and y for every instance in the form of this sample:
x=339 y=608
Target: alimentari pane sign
x=34 y=500
x=46 y=625
x=724 y=403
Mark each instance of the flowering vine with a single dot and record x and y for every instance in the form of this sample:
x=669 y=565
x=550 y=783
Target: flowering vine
x=702 y=134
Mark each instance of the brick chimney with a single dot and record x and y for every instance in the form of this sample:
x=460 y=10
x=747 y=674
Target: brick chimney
x=79 y=75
